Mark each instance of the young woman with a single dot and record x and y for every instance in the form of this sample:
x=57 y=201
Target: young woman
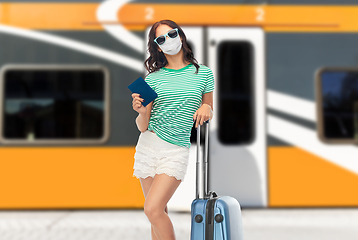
x=185 y=95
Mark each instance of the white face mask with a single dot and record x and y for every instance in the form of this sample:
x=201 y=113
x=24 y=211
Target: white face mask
x=171 y=46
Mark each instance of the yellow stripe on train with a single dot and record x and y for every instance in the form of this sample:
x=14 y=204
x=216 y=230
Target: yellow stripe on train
x=136 y=16
x=64 y=177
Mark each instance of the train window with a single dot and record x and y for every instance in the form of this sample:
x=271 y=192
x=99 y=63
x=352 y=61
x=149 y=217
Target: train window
x=235 y=92
x=54 y=104
x=337 y=104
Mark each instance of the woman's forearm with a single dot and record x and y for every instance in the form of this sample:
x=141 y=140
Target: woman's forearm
x=142 y=122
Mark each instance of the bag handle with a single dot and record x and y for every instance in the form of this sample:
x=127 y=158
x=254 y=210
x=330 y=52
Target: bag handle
x=202 y=164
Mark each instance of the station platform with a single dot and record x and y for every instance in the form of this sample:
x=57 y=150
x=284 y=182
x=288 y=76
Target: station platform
x=268 y=224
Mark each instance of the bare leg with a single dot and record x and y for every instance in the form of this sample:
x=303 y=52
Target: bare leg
x=162 y=189
x=146 y=184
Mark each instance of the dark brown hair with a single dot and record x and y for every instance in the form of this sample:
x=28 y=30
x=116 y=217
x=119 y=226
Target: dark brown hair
x=157 y=59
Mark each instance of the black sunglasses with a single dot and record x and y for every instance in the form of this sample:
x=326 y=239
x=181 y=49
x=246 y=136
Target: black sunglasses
x=172 y=34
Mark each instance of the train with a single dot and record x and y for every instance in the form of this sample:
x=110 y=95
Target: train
x=278 y=137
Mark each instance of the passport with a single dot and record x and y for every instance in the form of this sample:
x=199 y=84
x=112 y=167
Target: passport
x=145 y=91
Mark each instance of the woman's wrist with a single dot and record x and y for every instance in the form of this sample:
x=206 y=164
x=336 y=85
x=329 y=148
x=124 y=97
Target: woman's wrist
x=208 y=105
x=211 y=110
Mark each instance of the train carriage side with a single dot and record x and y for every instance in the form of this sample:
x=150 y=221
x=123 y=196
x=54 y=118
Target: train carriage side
x=67 y=139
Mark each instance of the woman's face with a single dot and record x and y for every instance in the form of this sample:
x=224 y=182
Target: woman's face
x=161 y=30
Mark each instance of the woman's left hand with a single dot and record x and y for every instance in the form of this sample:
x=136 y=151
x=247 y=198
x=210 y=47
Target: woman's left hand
x=202 y=114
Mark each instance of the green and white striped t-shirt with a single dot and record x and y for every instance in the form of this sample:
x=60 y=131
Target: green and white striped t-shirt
x=180 y=93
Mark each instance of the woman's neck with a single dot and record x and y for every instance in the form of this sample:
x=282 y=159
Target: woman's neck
x=176 y=61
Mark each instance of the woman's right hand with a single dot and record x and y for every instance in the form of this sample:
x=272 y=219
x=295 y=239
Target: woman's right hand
x=137 y=104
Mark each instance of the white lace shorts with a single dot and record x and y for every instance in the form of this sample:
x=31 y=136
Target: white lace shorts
x=155 y=156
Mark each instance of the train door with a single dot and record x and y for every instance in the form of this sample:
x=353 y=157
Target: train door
x=184 y=195
x=237 y=157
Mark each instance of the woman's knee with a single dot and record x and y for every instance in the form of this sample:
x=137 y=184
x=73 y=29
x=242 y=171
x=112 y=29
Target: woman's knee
x=152 y=210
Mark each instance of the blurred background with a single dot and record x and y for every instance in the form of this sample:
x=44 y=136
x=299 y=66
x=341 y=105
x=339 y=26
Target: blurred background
x=283 y=140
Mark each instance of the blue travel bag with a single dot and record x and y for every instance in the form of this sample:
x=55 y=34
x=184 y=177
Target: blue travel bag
x=212 y=217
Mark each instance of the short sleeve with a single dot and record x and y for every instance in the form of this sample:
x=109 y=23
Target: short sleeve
x=209 y=86
x=148 y=79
